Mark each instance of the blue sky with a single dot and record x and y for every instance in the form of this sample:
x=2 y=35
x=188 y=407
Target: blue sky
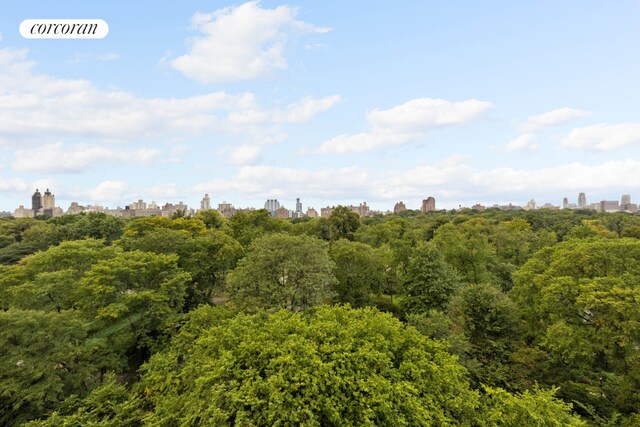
x=333 y=102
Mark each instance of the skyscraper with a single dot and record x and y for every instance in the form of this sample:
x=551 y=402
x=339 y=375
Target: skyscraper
x=582 y=201
x=428 y=205
x=626 y=199
x=272 y=206
x=205 y=204
x=36 y=202
x=399 y=207
x=298 y=206
x=565 y=203
x=48 y=203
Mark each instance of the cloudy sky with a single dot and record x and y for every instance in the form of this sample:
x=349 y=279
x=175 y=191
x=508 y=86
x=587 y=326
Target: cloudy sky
x=331 y=101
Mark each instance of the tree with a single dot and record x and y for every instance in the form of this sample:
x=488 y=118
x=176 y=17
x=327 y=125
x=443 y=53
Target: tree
x=468 y=249
x=282 y=271
x=359 y=272
x=211 y=218
x=43 y=360
x=108 y=405
x=343 y=222
x=429 y=282
x=328 y=366
x=487 y=319
x=531 y=408
x=247 y=226
x=580 y=299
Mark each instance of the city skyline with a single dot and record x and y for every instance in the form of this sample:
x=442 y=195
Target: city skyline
x=336 y=103
x=44 y=204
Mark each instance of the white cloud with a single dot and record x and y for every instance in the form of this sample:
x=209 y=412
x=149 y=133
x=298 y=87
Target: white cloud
x=552 y=118
x=108 y=192
x=603 y=137
x=13 y=185
x=40 y=109
x=523 y=142
x=451 y=180
x=305 y=109
x=240 y=43
x=406 y=122
x=244 y=154
x=423 y=114
x=58 y=158
x=164 y=190
x=270 y=181
x=86 y=57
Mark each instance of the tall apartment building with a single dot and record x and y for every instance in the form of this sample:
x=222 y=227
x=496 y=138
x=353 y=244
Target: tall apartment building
x=36 y=202
x=428 y=205
x=582 y=201
x=272 y=205
x=205 y=204
x=399 y=207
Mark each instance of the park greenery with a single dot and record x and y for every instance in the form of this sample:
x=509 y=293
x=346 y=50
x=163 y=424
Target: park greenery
x=450 y=318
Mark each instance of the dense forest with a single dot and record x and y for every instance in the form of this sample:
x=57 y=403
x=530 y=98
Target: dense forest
x=494 y=318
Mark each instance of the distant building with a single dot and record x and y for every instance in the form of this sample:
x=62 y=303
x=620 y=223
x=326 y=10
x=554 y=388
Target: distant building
x=282 y=213
x=23 y=212
x=75 y=209
x=312 y=213
x=139 y=205
x=625 y=199
x=609 y=206
x=478 y=207
x=272 y=205
x=298 y=207
x=582 y=201
x=226 y=209
x=325 y=212
x=399 y=207
x=48 y=203
x=36 y=202
x=205 y=204
x=531 y=205
x=362 y=209
x=550 y=206
x=428 y=205
x=565 y=203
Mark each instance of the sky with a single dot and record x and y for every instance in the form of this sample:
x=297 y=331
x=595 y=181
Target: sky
x=333 y=102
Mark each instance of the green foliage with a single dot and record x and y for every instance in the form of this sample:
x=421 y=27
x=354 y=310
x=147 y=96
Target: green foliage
x=108 y=405
x=211 y=219
x=43 y=360
x=85 y=295
x=141 y=226
x=282 y=271
x=429 y=282
x=487 y=319
x=580 y=302
x=468 y=249
x=329 y=366
x=359 y=272
x=247 y=226
x=207 y=257
x=536 y=408
x=343 y=223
